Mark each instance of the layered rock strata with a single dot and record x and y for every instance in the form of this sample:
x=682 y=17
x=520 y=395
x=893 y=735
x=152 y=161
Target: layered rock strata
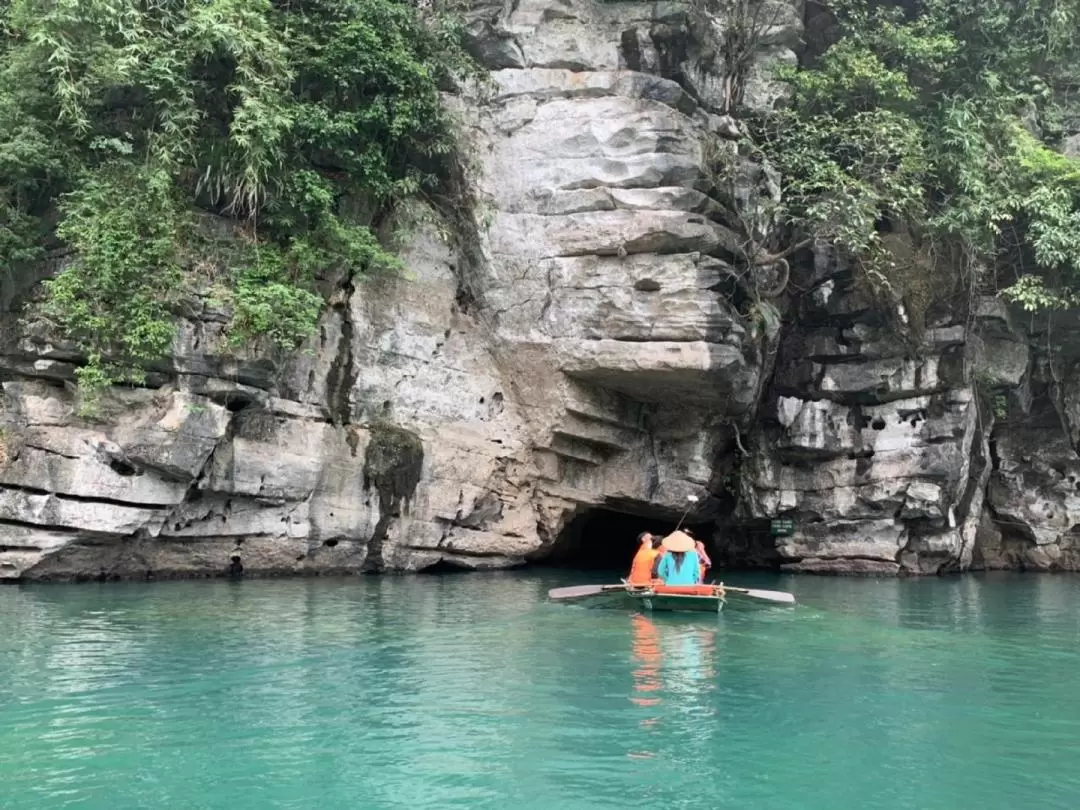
x=574 y=352
x=566 y=338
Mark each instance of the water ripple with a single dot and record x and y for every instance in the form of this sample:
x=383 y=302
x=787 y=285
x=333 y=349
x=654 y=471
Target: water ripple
x=472 y=692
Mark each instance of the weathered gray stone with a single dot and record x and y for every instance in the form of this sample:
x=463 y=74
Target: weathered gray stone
x=885 y=378
x=582 y=340
x=1071 y=145
x=1035 y=491
x=877 y=468
x=843 y=566
x=66 y=463
x=868 y=540
x=178 y=444
x=663 y=371
x=999 y=361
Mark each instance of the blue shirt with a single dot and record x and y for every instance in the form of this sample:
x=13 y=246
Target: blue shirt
x=686 y=574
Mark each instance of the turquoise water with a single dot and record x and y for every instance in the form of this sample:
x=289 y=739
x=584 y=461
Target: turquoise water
x=472 y=692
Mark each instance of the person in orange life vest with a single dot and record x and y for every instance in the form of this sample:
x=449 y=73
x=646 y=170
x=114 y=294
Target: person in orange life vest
x=641 y=569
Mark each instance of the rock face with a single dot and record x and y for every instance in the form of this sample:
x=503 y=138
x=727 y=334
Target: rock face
x=871 y=444
x=890 y=455
x=1032 y=517
x=577 y=345
x=578 y=354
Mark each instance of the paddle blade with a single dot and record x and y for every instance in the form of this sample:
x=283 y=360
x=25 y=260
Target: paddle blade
x=578 y=591
x=781 y=597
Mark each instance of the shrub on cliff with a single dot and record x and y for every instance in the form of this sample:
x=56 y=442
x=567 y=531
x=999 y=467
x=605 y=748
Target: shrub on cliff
x=936 y=118
x=120 y=118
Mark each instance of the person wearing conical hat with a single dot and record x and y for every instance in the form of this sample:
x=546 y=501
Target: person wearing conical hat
x=679 y=564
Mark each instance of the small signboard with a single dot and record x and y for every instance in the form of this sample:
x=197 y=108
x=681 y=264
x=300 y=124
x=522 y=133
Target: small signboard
x=782 y=527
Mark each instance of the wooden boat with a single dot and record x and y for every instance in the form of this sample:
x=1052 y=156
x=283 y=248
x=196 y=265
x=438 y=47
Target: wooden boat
x=671 y=598
x=700 y=599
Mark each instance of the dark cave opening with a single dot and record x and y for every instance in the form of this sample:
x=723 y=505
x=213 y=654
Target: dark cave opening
x=600 y=539
x=445 y=566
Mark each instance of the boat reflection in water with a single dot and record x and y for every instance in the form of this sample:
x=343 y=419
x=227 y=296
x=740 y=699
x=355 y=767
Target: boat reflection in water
x=647 y=657
x=674 y=670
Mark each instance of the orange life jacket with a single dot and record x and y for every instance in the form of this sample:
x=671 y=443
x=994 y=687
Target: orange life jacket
x=641 y=568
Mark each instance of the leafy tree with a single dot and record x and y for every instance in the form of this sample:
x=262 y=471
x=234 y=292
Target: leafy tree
x=119 y=119
x=937 y=118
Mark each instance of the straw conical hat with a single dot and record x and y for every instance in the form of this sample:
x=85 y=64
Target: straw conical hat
x=678 y=541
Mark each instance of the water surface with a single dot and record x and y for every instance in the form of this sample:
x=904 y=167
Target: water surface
x=473 y=692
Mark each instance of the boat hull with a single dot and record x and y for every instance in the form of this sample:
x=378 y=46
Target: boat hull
x=677 y=603
x=649 y=601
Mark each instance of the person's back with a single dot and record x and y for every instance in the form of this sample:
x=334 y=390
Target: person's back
x=679 y=568
x=704 y=563
x=641 y=568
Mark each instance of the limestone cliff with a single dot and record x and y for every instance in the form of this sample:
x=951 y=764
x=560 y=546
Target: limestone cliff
x=570 y=335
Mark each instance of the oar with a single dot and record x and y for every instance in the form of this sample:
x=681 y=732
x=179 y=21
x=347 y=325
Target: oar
x=769 y=596
x=577 y=591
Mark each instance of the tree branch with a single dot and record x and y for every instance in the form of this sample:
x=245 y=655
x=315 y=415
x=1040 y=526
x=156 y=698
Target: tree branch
x=760 y=258
x=738 y=439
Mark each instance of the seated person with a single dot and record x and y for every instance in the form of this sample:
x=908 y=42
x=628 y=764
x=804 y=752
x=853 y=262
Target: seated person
x=641 y=569
x=703 y=559
x=679 y=563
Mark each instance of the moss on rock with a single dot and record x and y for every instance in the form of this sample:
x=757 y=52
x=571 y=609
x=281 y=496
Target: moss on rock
x=393 y=461
x=392 y=464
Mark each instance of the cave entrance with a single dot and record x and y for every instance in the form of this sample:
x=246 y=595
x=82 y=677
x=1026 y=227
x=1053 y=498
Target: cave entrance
x=605 y=539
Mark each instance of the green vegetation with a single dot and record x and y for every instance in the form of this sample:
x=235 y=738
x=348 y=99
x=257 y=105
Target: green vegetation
x=299 y=120
x=919 y=140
